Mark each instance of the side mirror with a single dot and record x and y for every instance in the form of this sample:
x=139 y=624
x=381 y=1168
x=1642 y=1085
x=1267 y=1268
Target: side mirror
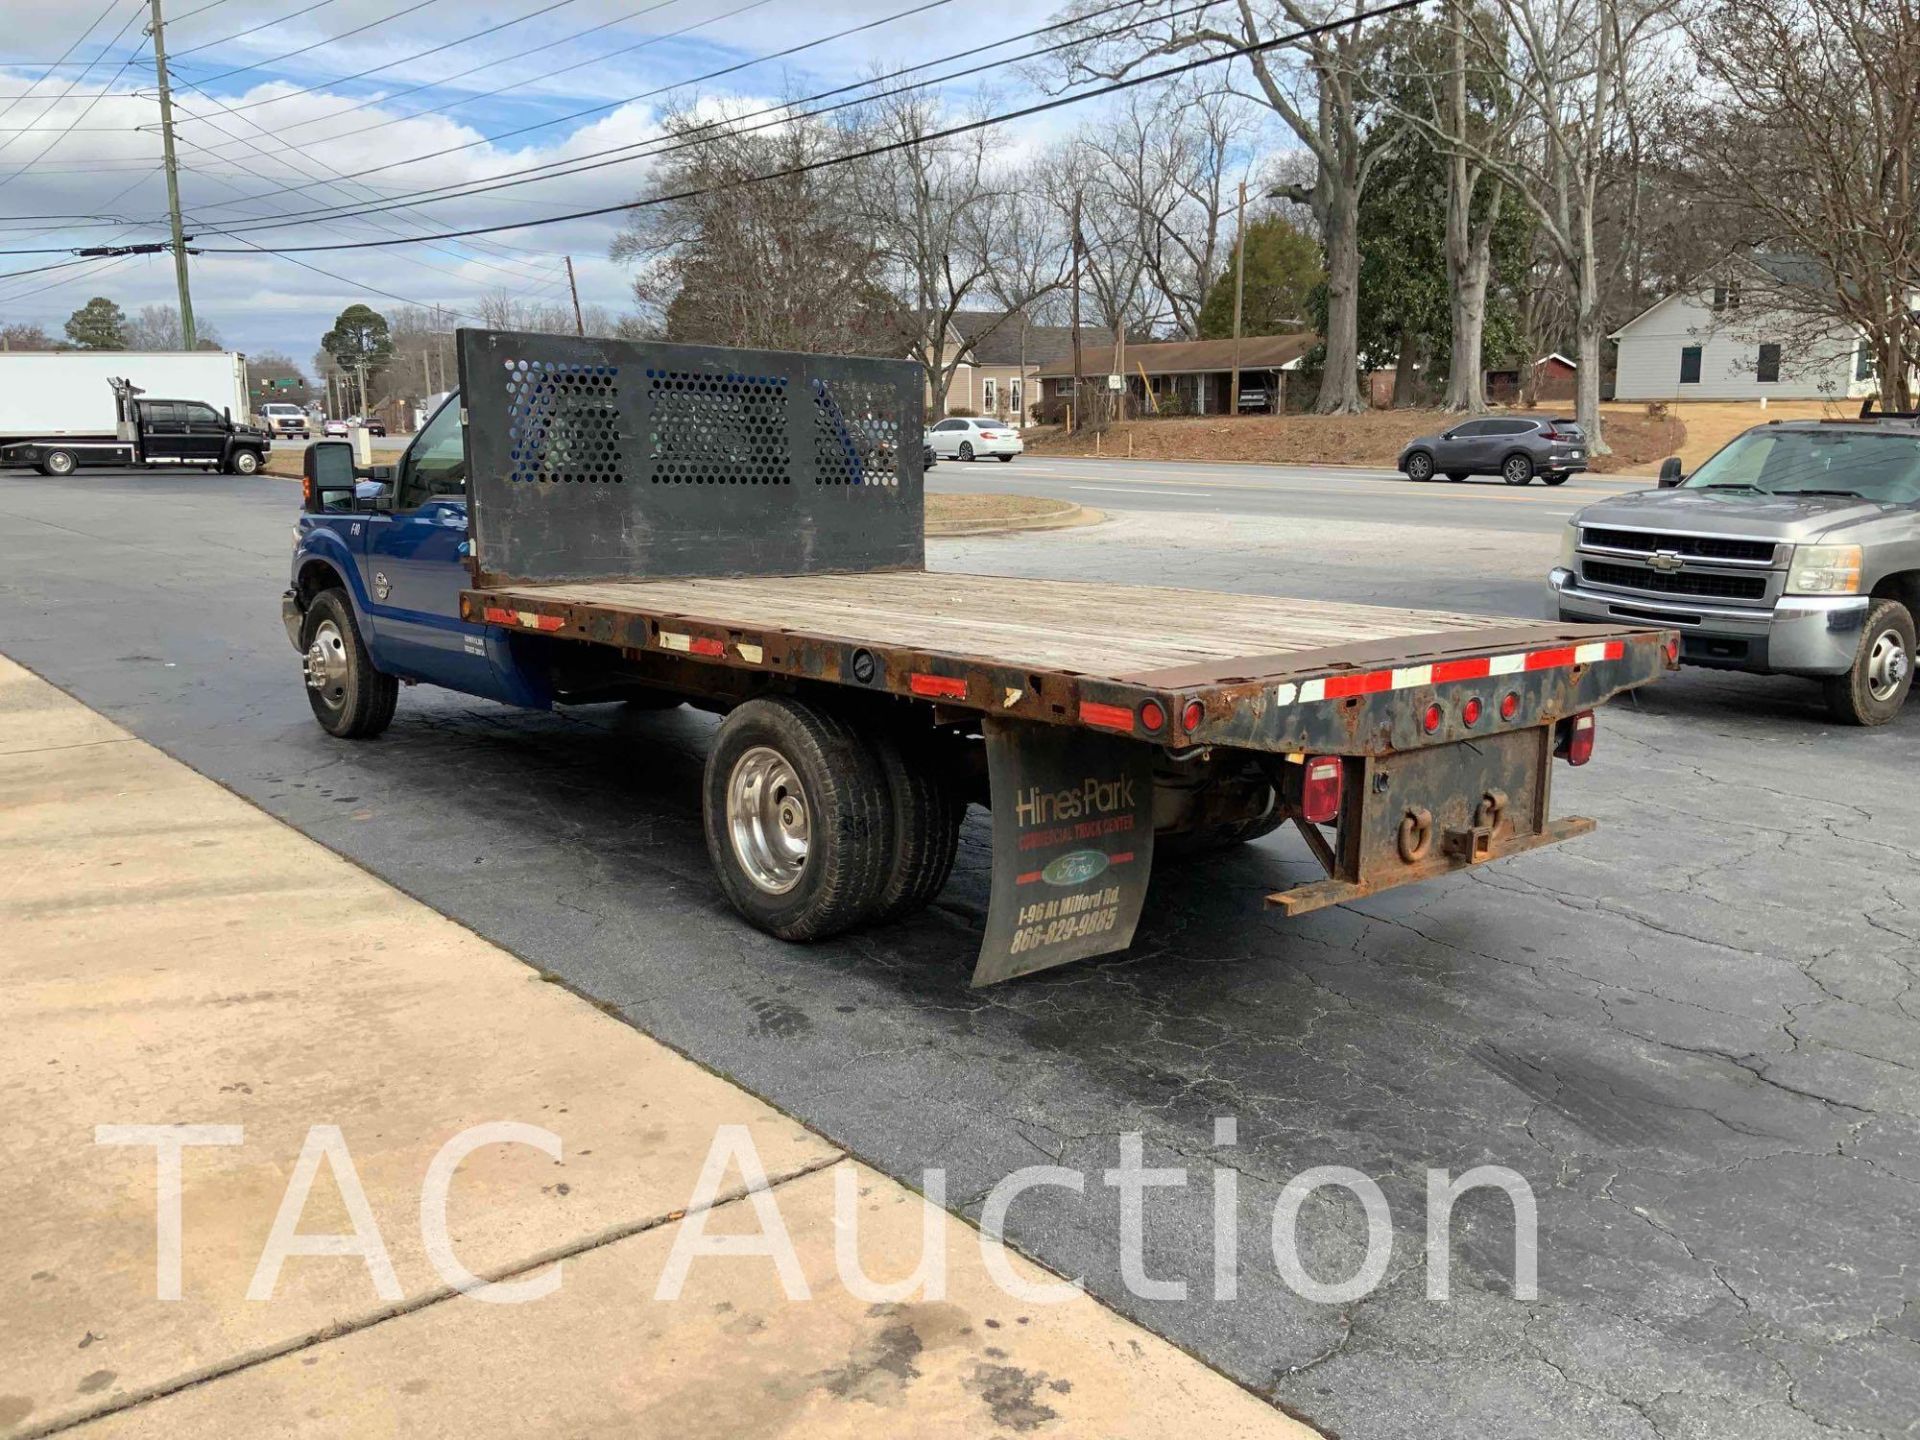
x=226 y=413
x=1670 y=475
x=326 y=470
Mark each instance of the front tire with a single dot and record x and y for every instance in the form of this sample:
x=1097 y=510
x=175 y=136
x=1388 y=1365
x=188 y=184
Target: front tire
x=1420 y=466
x=350 y=698
x=1456 y=476
x=1006 y=459
x=1872 y=692
x=245 y=462
x=966 y=450
x=1517 y=469
x=1559 y=479
x=798 y=819
x=58 y=463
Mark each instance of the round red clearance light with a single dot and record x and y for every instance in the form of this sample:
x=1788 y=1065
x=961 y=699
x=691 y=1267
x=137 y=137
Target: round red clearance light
x=1153 y=715
x=1431 y=721
x=1472 y=711
x=1509 y=705
x=1193 y=715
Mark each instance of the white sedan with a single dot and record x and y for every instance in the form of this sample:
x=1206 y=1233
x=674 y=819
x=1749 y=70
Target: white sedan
x=969 y=438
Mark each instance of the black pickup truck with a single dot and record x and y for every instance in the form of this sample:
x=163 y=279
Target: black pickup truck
x=150 y=431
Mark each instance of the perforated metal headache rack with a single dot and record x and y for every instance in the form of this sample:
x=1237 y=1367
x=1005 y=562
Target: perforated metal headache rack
x=595 y=459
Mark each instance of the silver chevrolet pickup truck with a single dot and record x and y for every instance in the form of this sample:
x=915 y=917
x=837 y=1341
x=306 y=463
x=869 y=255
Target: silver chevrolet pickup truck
x=1795 y=550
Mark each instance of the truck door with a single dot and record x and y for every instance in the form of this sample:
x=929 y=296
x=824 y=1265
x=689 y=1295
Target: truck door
x=414 y=566
x=206 y=433
x=163 y=430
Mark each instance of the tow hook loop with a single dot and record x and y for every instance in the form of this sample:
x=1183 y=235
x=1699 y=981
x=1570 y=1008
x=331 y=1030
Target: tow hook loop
x=1416 y=833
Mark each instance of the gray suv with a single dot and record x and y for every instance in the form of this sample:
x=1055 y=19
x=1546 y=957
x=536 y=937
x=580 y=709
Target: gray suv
x=1795 y=550
x=1514 y=448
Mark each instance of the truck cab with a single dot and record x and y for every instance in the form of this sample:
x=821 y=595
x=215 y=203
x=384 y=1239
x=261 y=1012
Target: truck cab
x=394 y=538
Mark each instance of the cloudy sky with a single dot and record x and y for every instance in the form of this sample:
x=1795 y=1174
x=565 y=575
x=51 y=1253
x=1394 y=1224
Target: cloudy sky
x=286 y=106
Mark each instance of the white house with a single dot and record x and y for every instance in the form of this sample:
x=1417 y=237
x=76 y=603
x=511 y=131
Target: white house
x=1728 y=337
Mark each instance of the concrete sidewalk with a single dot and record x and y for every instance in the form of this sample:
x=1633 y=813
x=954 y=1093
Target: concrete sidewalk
x=172 y=956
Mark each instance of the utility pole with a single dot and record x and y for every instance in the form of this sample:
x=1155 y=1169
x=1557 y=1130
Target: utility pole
x=172 y=166
x=1239 y=291
x=1079 y=378
x=579 y=325
x=360 y=365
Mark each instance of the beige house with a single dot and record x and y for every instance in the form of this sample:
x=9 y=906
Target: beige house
x=1188 y=377
x=1004 y=356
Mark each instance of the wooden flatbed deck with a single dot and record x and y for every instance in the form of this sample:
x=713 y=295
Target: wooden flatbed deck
x=1135 y=634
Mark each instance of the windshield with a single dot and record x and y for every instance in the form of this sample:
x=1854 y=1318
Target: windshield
x=1879 y=465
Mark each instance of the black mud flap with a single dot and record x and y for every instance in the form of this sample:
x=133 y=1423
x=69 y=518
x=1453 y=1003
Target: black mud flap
x=1072 y=846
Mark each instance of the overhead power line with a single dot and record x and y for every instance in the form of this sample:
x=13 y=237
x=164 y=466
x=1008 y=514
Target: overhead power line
x=785 y=112
x=1026 y=112
x=329 y=40
x=251 y=29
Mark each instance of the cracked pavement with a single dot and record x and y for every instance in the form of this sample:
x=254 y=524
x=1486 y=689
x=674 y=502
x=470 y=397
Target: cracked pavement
x=1696 y=1033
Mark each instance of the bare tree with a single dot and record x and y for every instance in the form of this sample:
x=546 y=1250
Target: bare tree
x=157 y=327
x=1447 y=94
x=775 y=264
x=1174 y=159
x=1320 y=85
x=1821 y=154
x=954 y=231
x=1585 y=73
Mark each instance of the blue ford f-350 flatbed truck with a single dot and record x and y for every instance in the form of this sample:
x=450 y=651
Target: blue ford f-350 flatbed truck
x=597 y=521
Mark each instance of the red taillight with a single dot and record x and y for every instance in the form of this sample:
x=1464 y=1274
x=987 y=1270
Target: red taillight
x=1430 y=722
x=1471 y=711
x=1153 y=715
x=1551 y=434
x=1320 y=790
x=1576 y=739
x=989 y=434
x=1193 y=715
x=1509 y=705
x=1673 y=652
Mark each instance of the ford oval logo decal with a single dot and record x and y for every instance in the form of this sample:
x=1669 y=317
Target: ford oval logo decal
x=1074 y=869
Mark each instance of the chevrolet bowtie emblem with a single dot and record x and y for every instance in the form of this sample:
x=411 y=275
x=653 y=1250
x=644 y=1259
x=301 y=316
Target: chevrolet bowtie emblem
x=1665 y=561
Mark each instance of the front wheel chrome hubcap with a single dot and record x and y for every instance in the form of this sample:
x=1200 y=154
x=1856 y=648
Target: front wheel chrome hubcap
x=767 y=820
x=1887 y=665
x=325 y=664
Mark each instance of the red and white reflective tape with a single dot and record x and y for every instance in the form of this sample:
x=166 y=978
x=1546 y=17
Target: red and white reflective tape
x=526 y=619
x=1480 y=667
x=691 y=644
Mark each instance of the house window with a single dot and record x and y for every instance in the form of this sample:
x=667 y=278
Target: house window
x=1726 y=297
x=1690 y=365
x=1767 y=372
x=988 y=393
x=1863 y=362
x=1014 y=398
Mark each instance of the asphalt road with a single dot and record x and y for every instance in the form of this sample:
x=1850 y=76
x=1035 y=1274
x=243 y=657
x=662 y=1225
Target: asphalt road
x=1696 y=1033
x=1303 y=491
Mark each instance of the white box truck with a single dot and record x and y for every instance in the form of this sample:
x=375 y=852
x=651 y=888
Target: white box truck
x=60 y=410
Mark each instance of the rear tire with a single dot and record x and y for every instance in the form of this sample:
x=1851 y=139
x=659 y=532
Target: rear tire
x=58 y=463
x=1517 y=469
x=1456 y=476
x=1559 y=479
x=350 y=698
x=1420 y=467
x=797 y=818
x=1872 y=692
x=1006 y=459
x=926 y=824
